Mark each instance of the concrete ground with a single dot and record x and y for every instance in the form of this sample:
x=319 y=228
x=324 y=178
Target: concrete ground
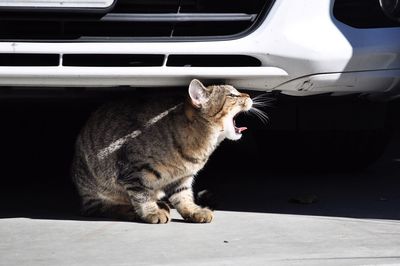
x=263 y=217
x=233 y=238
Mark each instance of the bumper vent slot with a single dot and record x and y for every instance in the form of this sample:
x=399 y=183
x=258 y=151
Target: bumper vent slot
x=213 y=61
x=362 y=14
x=112 y=60
x=29 y=59
x=139 y=19
x=128 y=60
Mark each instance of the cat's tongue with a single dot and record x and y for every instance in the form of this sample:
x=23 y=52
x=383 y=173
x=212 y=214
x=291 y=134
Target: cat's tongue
x=240 y=129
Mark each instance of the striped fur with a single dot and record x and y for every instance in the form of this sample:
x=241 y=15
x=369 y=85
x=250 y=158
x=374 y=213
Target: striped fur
x=130 y=154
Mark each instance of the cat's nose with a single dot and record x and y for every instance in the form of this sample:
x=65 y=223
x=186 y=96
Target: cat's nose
x=248 y=103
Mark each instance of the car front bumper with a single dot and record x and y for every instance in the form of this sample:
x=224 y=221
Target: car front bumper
x=302 y=48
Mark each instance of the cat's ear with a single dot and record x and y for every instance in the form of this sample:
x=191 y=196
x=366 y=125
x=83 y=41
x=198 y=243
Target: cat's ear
x=197 y=93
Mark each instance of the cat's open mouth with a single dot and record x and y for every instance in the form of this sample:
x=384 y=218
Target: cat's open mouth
x=238 y=130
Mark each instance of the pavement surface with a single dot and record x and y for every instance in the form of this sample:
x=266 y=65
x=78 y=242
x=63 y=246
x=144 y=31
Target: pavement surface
x=233 y=238
x=265 y=215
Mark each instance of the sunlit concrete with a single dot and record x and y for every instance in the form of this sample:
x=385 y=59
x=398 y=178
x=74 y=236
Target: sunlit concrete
x=233 y=238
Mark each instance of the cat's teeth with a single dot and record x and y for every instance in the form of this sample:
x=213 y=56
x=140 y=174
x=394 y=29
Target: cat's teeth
x=238 y=130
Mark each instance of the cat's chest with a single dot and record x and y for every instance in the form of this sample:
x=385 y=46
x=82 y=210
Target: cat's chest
x=182 y=170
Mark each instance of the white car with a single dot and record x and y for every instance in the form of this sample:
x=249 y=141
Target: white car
x=296 y=47
x=299 y=47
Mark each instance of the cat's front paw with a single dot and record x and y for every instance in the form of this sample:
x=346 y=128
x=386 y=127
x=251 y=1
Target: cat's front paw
x=161 y=216
x=201 y=215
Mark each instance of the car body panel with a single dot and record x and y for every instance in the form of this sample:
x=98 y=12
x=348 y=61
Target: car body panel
x=297 y=40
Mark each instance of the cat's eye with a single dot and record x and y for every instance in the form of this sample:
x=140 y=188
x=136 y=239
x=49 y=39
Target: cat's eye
x=233 y=95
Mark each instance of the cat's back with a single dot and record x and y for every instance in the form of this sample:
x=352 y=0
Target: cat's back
x=118 y=119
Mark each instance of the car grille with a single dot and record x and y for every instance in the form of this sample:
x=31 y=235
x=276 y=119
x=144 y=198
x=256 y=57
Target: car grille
x=138 y=19
x=128 y=60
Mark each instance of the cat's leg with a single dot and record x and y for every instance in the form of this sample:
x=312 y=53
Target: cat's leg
x=146 y=205
x=144 y=201
x=181 y=197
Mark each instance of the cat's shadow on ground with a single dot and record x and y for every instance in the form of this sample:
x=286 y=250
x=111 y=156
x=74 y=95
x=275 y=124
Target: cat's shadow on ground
x=36 y=158
x=371 y=193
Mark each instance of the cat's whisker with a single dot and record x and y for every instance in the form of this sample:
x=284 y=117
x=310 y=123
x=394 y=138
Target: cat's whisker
x=261 y=104
x=264 y=97
x=264 y=118
x=259 y=114
x=263 y=100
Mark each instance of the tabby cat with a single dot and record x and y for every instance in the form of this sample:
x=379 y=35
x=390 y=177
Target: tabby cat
x=129 y=155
